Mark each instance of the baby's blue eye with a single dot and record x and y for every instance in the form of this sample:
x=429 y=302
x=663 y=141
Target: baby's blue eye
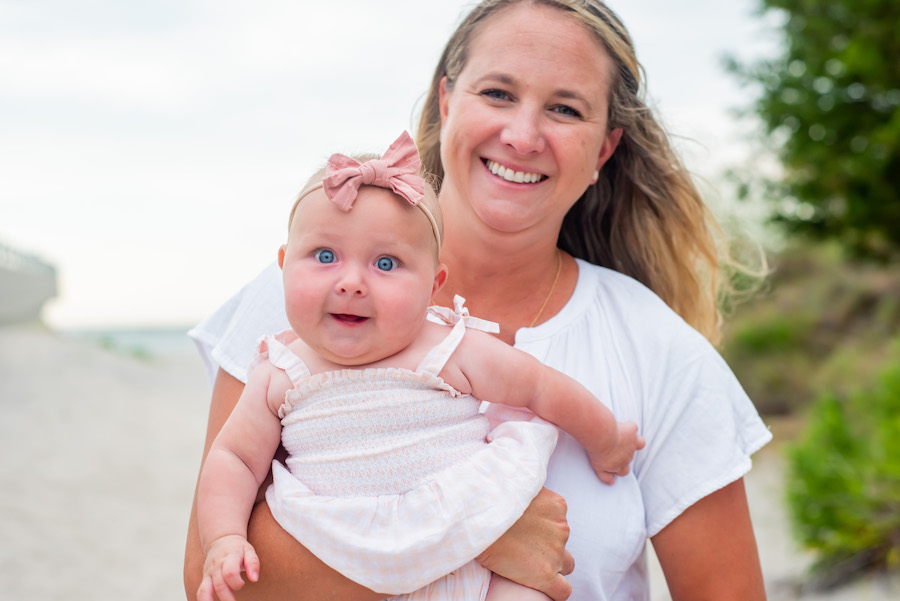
x=325 y=256
x=385 y=263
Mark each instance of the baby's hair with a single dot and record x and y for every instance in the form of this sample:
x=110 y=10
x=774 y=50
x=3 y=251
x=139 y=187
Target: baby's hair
x=429 y=200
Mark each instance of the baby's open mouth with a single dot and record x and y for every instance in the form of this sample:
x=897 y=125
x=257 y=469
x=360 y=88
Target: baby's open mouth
x=347 y=318
x=518 y=177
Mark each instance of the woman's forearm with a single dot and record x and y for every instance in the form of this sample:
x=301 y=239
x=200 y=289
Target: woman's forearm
x=291 y=571
x=287 y=569
x=532 y=552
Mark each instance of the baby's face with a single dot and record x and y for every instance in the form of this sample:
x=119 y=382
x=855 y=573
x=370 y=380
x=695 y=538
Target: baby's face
x=357 y=283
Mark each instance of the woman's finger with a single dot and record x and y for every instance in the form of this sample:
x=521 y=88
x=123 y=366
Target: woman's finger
x=558 y=588
x=568 y=565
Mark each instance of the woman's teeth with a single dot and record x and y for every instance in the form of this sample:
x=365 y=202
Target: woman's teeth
x=519 y=177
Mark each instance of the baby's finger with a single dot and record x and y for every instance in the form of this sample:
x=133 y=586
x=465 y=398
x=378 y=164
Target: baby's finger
x=231 y=572
x=607 y=478
x=222 y=589
x=205 y=592
x=251 y=564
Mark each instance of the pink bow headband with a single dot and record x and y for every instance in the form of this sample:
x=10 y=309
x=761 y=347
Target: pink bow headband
x=397 y=170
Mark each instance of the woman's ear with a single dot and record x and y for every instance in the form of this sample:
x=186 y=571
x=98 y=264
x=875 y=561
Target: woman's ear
x=281 y=255
x=609 y=146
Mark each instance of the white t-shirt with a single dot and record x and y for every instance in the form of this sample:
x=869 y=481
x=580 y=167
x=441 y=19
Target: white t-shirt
x=636 y=355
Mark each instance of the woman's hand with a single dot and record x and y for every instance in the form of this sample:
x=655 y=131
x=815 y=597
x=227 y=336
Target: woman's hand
x=533 y=551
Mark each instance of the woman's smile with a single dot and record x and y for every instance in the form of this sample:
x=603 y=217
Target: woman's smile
x=512 y=175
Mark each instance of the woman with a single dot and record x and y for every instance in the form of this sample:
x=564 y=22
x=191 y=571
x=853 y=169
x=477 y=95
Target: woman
x=534 y=123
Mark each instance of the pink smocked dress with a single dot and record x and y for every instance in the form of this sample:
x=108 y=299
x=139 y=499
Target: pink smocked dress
x=395 y=479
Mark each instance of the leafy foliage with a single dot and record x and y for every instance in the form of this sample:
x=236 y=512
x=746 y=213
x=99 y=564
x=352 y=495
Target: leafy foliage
x=831 y=108
x=824 y=323
x=844 y=480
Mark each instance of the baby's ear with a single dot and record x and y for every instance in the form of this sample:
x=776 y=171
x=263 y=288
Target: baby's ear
x=440 y=278
x=281 y=255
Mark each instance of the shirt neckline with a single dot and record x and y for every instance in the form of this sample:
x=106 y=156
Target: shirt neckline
x=572 y=308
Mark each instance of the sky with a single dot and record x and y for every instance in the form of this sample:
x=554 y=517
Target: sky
x=151 y=150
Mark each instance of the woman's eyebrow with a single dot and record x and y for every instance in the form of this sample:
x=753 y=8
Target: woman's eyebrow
x=572 y=95
x=503 y=78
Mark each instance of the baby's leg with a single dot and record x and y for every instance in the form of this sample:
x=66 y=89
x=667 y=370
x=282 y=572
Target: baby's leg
x=502 y=589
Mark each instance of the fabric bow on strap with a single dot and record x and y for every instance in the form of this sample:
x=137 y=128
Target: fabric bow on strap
x=396 y=170
x=459 y=313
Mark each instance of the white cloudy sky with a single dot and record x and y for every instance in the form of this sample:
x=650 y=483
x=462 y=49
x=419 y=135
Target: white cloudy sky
x=151 y=148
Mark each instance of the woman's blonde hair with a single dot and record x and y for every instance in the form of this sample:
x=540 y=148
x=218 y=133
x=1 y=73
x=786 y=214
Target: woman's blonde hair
x=644 y=217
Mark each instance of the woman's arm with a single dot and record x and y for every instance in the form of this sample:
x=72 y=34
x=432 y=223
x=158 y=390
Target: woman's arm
x=531 y=553
x=287 y=570
x=709 y=551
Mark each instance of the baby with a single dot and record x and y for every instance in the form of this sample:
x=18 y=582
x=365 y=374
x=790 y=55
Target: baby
x=394 y=477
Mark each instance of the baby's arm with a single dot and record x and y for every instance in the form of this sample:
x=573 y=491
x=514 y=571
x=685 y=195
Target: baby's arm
x=237 y=463
x=502 y=374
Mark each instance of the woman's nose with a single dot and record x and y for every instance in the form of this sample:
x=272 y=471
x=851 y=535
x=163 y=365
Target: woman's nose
x=523 y=131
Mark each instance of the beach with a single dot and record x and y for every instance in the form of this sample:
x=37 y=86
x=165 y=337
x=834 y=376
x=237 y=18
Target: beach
x=101 y=448
x=100 y=455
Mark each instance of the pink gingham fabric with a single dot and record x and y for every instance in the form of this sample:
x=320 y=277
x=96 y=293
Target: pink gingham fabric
x=396 y=480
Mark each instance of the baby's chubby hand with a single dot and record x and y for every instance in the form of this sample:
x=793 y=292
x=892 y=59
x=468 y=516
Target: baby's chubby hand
x=615 y=458
x=226 y=558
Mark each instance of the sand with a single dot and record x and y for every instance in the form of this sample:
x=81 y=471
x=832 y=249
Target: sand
x=100 y=455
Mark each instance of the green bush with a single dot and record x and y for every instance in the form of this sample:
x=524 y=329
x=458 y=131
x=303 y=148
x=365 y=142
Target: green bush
x=779 y=333
x=823 y=324
x=844 y=480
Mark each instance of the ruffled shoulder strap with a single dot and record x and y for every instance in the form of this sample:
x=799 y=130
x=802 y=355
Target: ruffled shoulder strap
x=460 y=319
x=275 y=350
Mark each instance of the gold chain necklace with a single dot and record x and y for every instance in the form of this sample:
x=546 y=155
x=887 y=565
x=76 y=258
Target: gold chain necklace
x=552 y=288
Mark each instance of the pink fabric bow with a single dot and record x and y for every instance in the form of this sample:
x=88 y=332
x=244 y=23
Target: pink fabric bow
x=396 y=170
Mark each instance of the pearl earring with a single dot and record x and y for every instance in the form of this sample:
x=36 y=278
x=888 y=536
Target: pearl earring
x=596 y=176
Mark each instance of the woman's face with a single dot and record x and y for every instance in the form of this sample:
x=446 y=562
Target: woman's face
x=524 y=126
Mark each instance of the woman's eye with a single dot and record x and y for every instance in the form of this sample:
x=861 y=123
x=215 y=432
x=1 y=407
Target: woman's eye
x=568 y=111
x=496 y=94
x=325 y=256
x=385 y=263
